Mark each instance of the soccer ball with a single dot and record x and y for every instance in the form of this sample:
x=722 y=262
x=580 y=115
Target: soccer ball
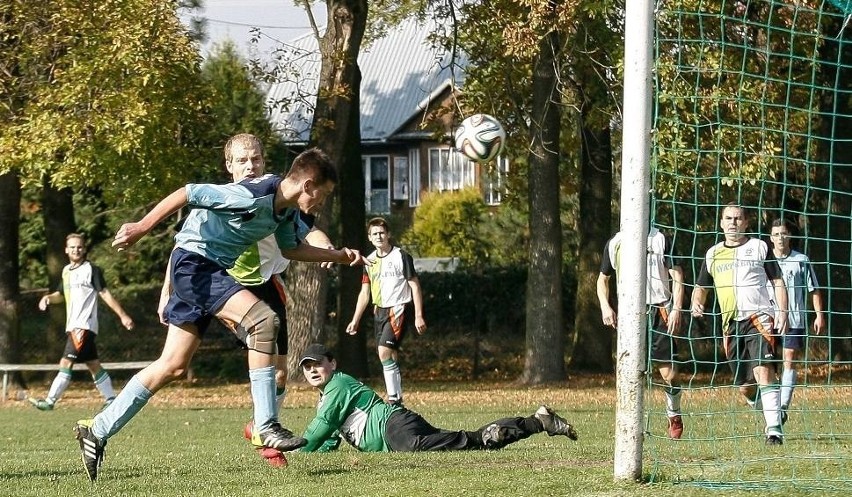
x=480 y=137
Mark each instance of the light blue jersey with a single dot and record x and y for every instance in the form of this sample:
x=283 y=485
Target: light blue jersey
x=800 y=279
x=227 y=219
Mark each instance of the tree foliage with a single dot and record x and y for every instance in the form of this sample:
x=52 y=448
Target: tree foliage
x=106 y=91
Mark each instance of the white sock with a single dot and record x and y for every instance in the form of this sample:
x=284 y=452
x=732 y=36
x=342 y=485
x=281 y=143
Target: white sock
x=788 y=383
x=771 y=409
x=393 y=379
x=104 y=384
x=673 y=401
x=59 y=385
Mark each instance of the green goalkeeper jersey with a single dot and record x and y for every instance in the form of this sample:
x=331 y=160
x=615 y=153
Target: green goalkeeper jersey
x=349 y=409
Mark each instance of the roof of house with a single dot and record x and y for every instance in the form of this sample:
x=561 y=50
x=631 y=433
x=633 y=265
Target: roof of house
x=401 y=74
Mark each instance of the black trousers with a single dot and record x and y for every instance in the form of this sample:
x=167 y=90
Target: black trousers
x=407 y=431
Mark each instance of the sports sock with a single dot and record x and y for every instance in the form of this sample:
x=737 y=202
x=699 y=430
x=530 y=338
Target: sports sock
x=673 y=400
x=263 y=396
x=126 y=405
x=59 y=385
x=393 y=379
x=788 y=382
x=104 y=384
x=771 y=408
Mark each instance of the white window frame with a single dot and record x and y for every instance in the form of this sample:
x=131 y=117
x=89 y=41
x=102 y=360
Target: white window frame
x=493 y=180
x=414 y=177
x=453 y=172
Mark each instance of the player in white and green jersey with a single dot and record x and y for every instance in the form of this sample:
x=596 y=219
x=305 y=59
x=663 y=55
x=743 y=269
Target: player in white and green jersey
x=394 y=287
x=82 y=284
x=741 y=269
x=664 y=297
x=350 y=410
x=800 y=279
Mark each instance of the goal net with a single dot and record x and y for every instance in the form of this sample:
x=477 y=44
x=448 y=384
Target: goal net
x=752 y=104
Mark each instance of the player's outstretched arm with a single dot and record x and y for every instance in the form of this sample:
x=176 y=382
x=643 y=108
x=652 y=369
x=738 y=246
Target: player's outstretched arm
x=50 y=298
x=130 y=233
x=309 y=253
x=819 y=309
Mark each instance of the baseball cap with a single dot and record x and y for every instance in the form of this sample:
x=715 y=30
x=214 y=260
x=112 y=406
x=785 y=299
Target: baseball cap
x=315 y=352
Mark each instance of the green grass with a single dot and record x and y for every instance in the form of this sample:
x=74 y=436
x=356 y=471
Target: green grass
x=174 y=450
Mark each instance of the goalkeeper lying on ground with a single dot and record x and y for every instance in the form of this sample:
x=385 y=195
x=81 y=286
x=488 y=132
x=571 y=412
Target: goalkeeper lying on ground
x=350 y=410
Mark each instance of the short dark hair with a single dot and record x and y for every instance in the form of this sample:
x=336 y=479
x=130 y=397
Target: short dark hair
x=378 y=221
x=315 y=164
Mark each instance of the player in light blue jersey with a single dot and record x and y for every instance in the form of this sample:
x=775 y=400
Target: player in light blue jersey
x=800 y=279
x=225 y=220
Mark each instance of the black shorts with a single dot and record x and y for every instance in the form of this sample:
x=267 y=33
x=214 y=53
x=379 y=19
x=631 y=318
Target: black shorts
x=748 y=344
x=663 y=344
x=392 y=324
x=272 y=292
x=80 y=346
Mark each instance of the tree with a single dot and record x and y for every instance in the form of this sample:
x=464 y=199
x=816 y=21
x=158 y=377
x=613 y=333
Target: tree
x=98 y=94
x=336 y=130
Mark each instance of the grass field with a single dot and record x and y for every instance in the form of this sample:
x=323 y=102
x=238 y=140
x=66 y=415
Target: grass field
x=187 y=442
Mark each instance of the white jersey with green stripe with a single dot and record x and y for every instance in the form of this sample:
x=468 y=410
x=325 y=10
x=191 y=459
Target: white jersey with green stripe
x=800 y=279
x=80 y=288
x=741 y=276
x=388 y=277
x=660 y=260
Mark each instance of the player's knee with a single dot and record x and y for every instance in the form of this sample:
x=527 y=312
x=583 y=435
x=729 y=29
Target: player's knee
x=259 y=328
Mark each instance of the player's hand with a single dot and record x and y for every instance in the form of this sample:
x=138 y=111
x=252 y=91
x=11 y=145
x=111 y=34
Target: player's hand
x=819 y=323
x=697 y=310
x=43 y=303
x=127 y=322
x=354 y=258
x=609 y=318
x=782 y=323
x=420 y=325
x=674 y=321
x=352 y=328
x=127 y=235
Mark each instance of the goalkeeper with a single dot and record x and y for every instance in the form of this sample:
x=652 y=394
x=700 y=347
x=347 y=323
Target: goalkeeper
x=350 y=410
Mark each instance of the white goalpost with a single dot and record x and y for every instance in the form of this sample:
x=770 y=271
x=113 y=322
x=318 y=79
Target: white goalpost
x=635 y=172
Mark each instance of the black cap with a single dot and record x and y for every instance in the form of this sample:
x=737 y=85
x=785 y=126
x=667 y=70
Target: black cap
x=315 y=352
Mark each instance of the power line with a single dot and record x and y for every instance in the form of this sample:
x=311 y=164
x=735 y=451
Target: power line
x=232 y=23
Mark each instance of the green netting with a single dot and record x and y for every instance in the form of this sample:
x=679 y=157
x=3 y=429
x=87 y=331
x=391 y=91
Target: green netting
x=753 y=104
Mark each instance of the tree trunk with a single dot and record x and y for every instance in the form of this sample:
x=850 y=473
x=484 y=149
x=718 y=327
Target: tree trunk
x=58 y=214
x=593 y=343
x=10 y=325
x=336 y=130
x=545 y=343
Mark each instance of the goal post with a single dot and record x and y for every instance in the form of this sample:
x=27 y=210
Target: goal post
x=635 y=185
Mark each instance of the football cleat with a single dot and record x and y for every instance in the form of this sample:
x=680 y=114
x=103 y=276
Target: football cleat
x=554 y=424
x=492 y=437
x=277 y=437
x=273 y=457
x=41 y=404
x=774 y=440
x=675 y=427
x=91 y=449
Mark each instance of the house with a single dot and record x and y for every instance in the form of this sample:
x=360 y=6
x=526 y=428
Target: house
x=407 y=115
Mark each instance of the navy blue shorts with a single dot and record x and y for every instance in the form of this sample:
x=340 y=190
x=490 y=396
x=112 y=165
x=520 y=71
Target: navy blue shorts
x=200 y=287
x=794 y=339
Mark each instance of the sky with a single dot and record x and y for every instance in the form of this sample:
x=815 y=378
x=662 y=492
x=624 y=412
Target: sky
x=278 y=20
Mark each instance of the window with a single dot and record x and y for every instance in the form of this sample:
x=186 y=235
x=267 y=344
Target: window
x=414 y=177
x=449 y=170
x=376 y=183
x=494 y=180
x=400 y=178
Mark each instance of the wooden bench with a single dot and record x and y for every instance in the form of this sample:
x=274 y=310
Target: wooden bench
x=8 y=369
